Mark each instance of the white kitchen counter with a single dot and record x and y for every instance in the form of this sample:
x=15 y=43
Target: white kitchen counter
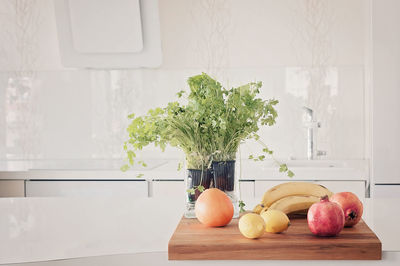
x=43 y=229
x=161 y=258
x=95 y=169
x=52 y=178
x=166 y=169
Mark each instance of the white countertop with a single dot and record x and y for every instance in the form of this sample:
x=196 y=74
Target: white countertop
x=161 y=258
x=42 y=229
x=166 y=169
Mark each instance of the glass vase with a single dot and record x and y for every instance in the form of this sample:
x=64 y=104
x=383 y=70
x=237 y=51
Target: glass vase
x=194 y=178
x=225 y=179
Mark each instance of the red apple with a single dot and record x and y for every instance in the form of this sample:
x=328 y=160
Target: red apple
x=325 y=218
x=351 y=205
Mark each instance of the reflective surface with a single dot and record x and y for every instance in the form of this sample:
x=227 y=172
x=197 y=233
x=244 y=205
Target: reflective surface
x=83 y=113
x=36 y=229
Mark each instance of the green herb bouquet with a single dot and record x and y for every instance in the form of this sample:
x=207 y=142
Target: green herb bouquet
x=209 y=129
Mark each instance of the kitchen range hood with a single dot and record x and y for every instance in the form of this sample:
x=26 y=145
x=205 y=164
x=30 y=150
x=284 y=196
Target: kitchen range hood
x=108 y=34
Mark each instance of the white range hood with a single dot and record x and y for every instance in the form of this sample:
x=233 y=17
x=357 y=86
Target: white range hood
x=108 y=34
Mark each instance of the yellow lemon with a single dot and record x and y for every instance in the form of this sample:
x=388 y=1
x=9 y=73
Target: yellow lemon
x=251 y=225
x=275 y=221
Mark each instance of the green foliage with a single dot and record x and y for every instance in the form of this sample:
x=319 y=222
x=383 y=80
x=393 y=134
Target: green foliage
x=241 y=206
x=282 y=167
x=173 y=125
x=290 y=173
x=192 y=190
x=227 y=117
x=125 y=167
x=180 y=166
x=210 y=126
x=266 y=150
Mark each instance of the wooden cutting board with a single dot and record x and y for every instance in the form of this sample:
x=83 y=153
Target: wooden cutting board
x=193 y=241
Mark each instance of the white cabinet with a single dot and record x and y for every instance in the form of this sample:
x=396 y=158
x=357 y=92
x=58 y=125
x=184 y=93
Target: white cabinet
x=12 y=188
x=75 y=188
x=357 y=187
x=386 y=191
x=176 y=188
x=246 y=189
x=386 y=93
x=168 y=188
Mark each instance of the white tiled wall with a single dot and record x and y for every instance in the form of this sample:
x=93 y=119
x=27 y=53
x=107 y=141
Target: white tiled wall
x=83 y=113
x=57 y=113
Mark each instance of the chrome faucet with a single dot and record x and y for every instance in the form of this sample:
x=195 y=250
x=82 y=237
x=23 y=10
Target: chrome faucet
x=311 y=124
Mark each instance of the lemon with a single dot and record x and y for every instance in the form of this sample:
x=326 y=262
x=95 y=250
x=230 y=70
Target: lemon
x=251 y=225
x=275 y=221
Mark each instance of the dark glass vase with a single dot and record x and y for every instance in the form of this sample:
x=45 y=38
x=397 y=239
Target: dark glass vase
x=224 y=175
x=225 y=180
x=195 y=178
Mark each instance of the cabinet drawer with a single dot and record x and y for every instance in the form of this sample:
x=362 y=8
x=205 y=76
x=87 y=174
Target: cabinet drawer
x=12 y=188
x=74 y=188
x=357 y=187
x=246 y=189
x=167 y=188
x=386 y=191
x=175 y=188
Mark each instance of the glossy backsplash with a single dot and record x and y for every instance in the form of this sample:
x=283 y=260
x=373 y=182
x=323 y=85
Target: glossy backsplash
x=83 y=113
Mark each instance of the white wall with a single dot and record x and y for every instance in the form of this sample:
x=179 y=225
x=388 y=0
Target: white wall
x=386 y=93
x=72 y=113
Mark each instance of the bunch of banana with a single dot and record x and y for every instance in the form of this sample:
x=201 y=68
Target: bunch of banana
x=292 y=197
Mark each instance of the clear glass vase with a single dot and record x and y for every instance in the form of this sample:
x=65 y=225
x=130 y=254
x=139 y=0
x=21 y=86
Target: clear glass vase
x=221 y=175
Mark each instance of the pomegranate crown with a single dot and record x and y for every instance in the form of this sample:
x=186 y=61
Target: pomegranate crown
x=325 y=198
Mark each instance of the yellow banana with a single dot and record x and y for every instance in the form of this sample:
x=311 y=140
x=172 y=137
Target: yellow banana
x=292 y=204
x=264 y=210
x=299 y=213
x=257 y=209
x=293 y=189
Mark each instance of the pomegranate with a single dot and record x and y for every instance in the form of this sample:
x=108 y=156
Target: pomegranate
x=351 y=205
x=325 y=218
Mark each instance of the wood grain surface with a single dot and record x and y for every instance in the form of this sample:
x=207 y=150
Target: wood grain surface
x=193 y=241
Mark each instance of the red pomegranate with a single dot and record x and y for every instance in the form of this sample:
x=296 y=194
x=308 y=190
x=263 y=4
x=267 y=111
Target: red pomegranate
x=351 y=205
x=325 y=218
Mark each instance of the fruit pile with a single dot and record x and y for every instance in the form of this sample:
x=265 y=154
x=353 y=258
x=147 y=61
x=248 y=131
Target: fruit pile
x=327 y=213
